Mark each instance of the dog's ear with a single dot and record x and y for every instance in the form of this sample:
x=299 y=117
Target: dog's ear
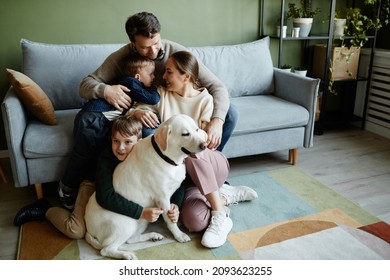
x=162 y=137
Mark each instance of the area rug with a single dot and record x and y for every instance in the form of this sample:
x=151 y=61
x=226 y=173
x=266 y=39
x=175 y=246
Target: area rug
x=295 y=217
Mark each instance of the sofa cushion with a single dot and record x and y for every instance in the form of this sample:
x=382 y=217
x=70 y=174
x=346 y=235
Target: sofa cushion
x=245 y=69
x=32 y=96
x=272 y=113
x=44 y=141
x=59 y=69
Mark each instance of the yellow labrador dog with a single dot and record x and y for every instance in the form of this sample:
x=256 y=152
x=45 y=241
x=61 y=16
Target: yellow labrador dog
x=149 y=176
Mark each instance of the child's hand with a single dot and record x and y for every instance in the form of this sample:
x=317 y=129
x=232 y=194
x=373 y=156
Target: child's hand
x=151 y=214
x=173 y=213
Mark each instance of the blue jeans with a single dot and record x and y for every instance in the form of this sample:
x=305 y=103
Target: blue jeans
x=91 y=133
x=227 y=129
x=229 y=125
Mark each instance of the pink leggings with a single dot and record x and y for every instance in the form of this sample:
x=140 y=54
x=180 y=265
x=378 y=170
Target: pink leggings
x=207 y=173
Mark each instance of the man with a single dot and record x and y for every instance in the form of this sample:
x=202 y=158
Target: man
x=143 y=30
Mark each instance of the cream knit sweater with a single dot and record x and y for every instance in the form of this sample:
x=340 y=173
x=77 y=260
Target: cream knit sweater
x=199 y=107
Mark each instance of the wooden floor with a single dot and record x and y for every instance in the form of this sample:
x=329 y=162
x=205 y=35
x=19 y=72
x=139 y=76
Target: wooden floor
x=353 y=162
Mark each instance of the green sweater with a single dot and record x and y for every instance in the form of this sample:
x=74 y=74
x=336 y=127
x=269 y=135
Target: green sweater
x=113 y=67
x=111 y=200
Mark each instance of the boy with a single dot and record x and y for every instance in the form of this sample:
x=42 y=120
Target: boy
x=126 y=132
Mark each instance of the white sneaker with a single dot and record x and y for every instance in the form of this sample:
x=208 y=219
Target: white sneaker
x=218 y=230
x=237 y=194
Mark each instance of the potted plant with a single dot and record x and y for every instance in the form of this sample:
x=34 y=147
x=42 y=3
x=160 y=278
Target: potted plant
x=339 y=22
x=300 y=70
x=286 y=67
x=302 y=16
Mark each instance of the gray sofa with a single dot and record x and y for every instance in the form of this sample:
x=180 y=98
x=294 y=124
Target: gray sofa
x=276 y=109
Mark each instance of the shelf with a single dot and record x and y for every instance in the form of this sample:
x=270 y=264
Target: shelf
x=311 y=37
x=304 y=46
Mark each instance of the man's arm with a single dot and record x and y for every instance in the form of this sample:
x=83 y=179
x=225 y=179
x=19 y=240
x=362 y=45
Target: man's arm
x=217 y=89
x=221 y=105
x=96 y=85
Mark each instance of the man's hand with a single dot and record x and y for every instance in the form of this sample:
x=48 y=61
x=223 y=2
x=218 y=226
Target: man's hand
x=117 y=97
x=173 y=213
x=151 y=214
x=214 y=133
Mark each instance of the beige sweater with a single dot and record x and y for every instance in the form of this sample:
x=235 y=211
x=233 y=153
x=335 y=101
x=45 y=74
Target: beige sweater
x=199 y=107
x=94 y=84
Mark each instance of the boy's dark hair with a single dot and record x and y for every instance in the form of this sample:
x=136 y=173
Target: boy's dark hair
x=144 y=23
x=127 y=125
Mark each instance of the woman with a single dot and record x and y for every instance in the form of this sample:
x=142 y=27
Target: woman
x=206 y=194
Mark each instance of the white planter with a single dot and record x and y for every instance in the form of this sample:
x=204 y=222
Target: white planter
x=301 y=72
x=284 y=31
x=304 y=25
x=339 y=24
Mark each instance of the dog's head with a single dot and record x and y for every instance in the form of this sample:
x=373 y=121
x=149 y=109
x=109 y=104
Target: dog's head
x=179 y=137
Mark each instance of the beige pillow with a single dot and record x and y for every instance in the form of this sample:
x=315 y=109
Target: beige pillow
x=32 y=96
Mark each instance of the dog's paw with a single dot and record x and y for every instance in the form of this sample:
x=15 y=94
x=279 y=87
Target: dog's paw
x=156 y=236
x=129 y=256
x=182 y=237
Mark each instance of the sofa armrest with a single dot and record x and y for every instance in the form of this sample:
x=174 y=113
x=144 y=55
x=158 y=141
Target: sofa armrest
x=15 y=120
x=299 y=90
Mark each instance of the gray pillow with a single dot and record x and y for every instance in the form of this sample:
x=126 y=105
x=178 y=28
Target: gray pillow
x=58 y=69
x=245 y=69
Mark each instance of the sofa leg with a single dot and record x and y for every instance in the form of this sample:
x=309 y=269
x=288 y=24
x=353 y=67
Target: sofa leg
x=39 y=190
x=2 y=175
x=293 y=156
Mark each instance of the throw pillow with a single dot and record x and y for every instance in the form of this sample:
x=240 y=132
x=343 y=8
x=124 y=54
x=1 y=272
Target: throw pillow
x=32 y=96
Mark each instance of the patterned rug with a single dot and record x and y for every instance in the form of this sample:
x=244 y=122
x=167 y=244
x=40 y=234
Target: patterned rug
x=295 y=217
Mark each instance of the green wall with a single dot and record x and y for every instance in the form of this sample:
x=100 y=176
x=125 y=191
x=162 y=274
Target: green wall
x=191 y=23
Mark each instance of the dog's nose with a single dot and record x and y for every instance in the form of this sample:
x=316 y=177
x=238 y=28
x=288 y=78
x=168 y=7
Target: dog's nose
x=203 y=145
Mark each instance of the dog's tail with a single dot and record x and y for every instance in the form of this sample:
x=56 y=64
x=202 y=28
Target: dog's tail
x=93 y=241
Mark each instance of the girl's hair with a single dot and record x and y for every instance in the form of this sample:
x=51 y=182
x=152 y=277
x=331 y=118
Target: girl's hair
x=145 y=24
x=127 y=125
x=187 y=63
x=136 y=63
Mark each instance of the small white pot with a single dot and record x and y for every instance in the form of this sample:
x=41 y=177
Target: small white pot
x=304 y=25
x=339 y=24
x=301 y=72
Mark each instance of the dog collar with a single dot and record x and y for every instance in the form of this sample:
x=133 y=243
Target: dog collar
x=158 y=151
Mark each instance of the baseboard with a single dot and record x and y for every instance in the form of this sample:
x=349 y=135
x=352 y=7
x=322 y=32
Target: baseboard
x=4 y=154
